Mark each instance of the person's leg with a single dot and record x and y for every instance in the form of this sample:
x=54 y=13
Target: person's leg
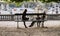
x=39 y=23
x=32 y=23
x=25 y=24
x=43 y=25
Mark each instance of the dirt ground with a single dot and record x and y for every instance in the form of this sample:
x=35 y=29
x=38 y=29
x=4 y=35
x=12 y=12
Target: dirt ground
x=29 y=31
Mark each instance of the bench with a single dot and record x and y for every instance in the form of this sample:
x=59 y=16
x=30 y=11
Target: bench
x=34 y=15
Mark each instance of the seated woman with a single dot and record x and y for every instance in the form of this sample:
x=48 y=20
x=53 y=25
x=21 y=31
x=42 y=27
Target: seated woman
x=38 y=18
x=43 y=17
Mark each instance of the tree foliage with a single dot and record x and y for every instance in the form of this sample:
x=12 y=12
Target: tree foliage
x=47 y=1
x=32 y=0
x=18 y=0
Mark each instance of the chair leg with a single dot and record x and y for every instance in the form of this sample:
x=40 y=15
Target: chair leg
x=42 y=24
x=38 y=24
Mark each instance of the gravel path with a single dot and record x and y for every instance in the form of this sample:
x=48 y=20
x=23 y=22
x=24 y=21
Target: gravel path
x=29 y=31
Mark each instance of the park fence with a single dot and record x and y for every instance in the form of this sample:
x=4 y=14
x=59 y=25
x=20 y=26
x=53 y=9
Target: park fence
x=32 y=17
x=19 y=17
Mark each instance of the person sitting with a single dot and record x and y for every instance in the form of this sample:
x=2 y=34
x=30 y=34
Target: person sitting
x=38 y=18
x=24 y=18
x=24 y=15
x=43 y=17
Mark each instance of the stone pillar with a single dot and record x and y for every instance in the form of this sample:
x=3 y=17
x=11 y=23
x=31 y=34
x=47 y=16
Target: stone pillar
x=2 y=6
x=7 y=6
x=38 y=9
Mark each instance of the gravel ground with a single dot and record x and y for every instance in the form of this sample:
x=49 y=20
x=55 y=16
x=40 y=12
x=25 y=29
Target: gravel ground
x=29 y=31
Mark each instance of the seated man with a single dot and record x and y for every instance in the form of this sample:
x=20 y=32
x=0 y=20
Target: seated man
x=24 y=18
x=24 y=15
